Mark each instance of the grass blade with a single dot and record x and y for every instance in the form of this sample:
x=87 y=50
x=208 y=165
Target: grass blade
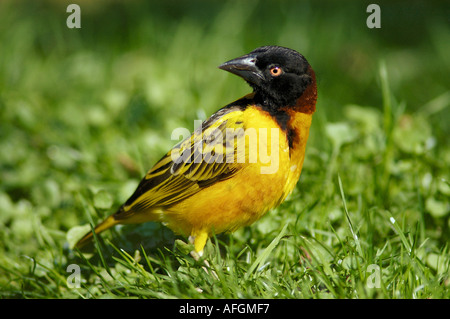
x=262 y=258
x=350 y=225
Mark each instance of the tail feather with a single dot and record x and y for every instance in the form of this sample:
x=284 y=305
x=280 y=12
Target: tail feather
x=107 y=223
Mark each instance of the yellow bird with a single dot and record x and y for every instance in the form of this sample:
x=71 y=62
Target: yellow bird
x=241 y=162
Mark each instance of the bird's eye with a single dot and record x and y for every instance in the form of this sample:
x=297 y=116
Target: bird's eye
x=276 y=71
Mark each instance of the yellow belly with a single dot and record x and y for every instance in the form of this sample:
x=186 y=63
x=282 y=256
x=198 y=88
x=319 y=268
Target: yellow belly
x=261 y=184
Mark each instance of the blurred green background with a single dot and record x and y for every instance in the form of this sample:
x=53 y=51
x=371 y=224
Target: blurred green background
x=85 y=112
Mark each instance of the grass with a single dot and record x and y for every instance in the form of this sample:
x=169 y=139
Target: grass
x=84 y=113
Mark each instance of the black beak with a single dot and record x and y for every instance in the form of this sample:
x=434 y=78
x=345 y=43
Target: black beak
x=245 y=67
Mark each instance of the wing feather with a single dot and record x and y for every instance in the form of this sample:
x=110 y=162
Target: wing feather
x=193 y=164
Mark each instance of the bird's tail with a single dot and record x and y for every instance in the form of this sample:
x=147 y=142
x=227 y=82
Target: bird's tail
x=107 y=223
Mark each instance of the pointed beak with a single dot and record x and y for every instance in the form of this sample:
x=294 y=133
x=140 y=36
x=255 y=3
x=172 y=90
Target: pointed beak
x=245 y=67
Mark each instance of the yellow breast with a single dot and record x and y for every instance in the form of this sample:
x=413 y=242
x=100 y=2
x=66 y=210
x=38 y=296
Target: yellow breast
x=300 y=124
x=267 y=176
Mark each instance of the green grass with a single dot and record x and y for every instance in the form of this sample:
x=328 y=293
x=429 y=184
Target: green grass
x=84 y=113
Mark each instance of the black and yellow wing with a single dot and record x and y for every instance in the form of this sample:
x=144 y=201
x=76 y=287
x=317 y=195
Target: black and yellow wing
x=211 y=154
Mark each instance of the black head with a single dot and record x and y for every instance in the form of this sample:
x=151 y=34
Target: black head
x=278 y=75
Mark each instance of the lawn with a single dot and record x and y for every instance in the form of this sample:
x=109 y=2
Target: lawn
x=84 y=113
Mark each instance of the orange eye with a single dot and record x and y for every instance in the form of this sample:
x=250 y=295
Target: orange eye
x=276 y=71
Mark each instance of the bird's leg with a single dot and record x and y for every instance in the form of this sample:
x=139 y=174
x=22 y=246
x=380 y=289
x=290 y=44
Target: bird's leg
x=199 y=242
x=194 y=253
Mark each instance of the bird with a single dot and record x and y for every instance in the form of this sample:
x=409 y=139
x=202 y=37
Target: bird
x=242 y=161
